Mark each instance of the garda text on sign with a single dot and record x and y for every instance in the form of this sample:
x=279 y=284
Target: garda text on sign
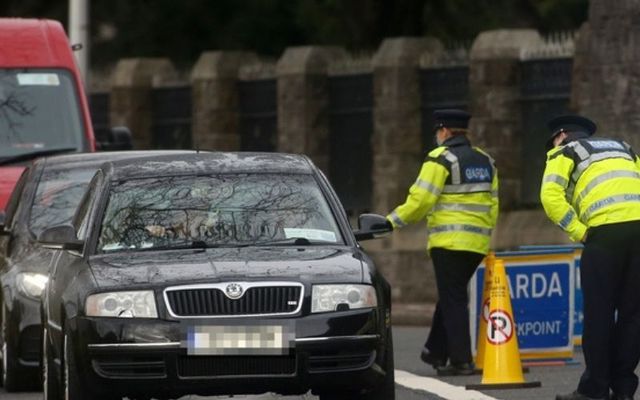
x=541 y=285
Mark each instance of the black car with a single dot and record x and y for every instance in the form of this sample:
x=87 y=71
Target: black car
x=46 y=195
x=220 y=273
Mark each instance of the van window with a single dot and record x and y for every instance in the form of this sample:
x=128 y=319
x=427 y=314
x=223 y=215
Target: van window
x=39 y=110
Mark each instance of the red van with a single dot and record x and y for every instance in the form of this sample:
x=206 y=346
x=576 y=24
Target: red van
x=43 y=107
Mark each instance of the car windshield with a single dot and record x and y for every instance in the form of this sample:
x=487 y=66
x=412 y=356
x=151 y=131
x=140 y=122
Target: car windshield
x=39 y=110
x=217 y=211
x=58 y=194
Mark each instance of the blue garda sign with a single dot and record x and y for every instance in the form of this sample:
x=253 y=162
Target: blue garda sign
x=541 y=285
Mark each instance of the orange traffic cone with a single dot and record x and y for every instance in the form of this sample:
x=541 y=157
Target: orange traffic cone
x=502 y=366
x=484 y=309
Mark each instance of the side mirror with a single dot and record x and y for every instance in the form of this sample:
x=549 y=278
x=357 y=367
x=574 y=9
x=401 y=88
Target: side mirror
x=372 y=226
x=3 y=218
x=119 y=138
x=61 y=237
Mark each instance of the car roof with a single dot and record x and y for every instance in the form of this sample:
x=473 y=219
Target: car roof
x=208 y=163
x=84 y=160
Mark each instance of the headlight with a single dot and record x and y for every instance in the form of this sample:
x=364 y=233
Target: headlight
x=138 y=304
x=31 y=284
x=328 y=297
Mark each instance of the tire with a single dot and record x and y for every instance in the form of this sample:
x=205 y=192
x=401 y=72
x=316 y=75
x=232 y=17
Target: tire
x=50 y=381
x=12 y=377
x=71 y=385
x=387 y=388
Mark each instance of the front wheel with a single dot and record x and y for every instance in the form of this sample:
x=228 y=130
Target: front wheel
x=50 y=383
x=387 y=388
x=12 y=377
x=72 y=388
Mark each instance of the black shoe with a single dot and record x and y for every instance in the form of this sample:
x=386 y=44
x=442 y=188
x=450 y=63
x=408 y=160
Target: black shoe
x=432 y=360
x=456 y=369
x=578 y=396
x=615 y=396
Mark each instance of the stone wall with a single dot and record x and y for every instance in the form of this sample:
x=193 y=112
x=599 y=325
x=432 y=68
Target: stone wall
x=215 y=99
x=494 y=92
x=131 y=85
x=303 y=101
x=606 y=84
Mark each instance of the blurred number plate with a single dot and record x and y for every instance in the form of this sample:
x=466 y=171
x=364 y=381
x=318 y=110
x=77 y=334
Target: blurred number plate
x=239 y=340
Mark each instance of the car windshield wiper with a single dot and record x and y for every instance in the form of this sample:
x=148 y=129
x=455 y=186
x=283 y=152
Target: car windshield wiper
x=35 y=154
x=196 y=244
x=296 y=241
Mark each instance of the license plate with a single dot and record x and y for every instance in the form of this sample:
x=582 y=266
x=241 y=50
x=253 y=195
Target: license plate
x=239 y=340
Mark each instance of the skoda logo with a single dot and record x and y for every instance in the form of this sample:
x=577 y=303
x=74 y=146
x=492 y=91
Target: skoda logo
x=234 y=291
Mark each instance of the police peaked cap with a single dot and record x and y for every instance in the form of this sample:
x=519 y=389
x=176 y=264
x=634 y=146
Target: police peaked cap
x=451 y=119
x=569 y=123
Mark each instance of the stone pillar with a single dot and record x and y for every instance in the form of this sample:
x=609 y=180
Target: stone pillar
x=494 y=85
x=397 y=138
x=215 y=124
x=303 y=101
x=397 y=156
x=130 y=100
x=606 y=77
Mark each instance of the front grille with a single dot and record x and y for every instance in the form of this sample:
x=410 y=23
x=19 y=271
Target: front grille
x=326 y=363
x=212 y=301
x=216 y=366
x=134 y=367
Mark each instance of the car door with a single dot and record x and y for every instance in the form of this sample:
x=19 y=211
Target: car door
x=62 y=271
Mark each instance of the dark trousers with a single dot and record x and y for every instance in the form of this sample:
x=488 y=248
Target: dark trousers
x=610 y=277
x=449 y=336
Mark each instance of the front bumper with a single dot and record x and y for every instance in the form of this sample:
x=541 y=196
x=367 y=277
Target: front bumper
x=333 y=351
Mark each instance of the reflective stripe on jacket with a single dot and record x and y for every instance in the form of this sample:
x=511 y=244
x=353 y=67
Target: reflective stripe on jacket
x=591 y=182
x=457 y=193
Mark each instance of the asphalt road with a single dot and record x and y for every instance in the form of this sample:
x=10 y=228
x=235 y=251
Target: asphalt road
x=415 y=380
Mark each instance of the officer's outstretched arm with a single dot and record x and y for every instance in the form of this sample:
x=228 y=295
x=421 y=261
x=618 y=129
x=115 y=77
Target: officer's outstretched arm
x=553 y=197
x=423 y=195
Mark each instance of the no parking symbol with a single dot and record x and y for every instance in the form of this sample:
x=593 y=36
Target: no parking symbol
x=499 y=327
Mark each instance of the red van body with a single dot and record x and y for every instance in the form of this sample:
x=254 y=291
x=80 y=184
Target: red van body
x=43 y=107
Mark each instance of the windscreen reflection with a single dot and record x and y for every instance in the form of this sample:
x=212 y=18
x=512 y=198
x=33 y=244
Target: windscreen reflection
x=216 y=211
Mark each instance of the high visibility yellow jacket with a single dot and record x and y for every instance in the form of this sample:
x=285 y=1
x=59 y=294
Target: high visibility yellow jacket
x=591 y=182
x=457 y=193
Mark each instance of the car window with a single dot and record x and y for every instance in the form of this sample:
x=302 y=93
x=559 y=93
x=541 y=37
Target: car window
x=221 y=210
x=57 y=196
x=13 y=205
x=82 y=217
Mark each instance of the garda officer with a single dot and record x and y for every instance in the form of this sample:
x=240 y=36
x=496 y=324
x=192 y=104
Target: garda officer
x=456 y=193
x=591 y=189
